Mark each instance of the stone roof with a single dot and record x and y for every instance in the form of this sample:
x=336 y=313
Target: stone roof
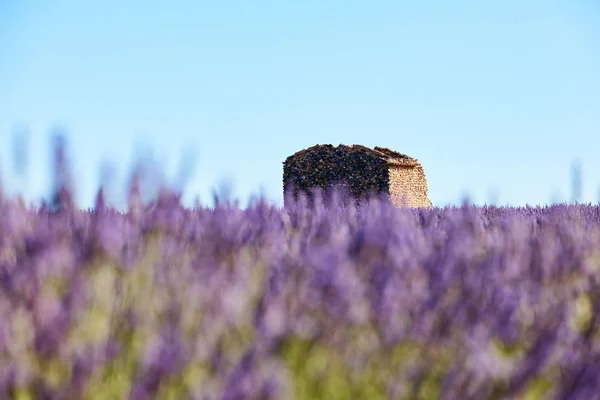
x=389 y=156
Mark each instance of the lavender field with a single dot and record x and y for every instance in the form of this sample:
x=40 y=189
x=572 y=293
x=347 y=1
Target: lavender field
x=329 y=301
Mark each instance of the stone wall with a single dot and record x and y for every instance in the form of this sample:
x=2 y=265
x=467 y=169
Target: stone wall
x=408 y=186
x=361 y=170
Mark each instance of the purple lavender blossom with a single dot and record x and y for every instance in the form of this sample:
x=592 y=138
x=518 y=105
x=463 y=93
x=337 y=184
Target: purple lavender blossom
x=325 y=298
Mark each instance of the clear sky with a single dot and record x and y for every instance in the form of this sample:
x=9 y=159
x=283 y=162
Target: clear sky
x=495 y=98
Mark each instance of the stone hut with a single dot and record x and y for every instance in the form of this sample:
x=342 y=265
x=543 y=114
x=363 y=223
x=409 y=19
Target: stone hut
x=362 y=170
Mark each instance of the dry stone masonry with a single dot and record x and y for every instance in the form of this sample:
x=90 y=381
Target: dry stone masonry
x=361 y=170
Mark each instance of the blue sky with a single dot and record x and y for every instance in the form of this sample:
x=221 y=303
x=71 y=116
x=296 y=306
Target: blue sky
x=496 y=99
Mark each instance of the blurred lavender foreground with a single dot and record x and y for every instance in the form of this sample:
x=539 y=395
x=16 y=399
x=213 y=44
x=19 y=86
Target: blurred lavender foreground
x=324 y=302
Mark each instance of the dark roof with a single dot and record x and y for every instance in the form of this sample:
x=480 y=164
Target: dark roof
x=390 y=156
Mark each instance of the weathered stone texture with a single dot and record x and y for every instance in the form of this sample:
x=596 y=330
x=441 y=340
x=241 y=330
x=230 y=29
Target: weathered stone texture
x=409 y=184
x=363 y=171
